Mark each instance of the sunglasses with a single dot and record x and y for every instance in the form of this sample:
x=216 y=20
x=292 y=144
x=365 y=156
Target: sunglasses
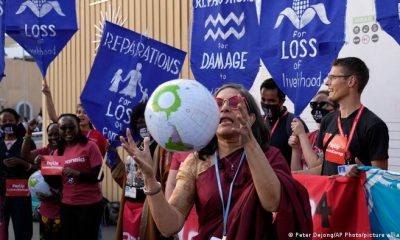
x=315 y=105
x=65 y=128
x=233 y=102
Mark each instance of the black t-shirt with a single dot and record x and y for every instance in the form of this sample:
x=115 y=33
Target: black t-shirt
x=15 y=172
x=370 y=141
x=282 y=133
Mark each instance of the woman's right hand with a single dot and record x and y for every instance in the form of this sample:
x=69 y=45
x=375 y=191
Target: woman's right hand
x=294 y=142
x=142 y=157
x=297 y=127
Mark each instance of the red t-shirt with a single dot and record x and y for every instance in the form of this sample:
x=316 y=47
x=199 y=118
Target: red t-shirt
x=42 y=151
x=177 y=160
x=49 y=209
x=98 y=138
x=82 y=158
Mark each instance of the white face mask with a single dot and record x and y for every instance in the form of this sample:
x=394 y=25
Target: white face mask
x=143 y=132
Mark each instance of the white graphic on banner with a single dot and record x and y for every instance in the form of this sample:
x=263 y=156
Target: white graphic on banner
x=40 y=7
x=301 y=14
x=231 y=31
x=145 y=96
x=223 y=35
x=399 y=10
x=115 y=81
x=224 y=22
x=135 y=78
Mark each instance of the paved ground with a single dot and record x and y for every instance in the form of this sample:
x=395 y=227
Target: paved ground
x=108 y=232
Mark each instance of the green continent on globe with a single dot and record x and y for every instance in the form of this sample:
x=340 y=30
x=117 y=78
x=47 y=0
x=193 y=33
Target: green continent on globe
x=179 y=146
x=176 y=104
x=33 y=182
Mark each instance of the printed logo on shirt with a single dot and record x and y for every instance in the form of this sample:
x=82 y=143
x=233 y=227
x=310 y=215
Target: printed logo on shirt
x=335 y=151
x=71 y=180
x=75 y=160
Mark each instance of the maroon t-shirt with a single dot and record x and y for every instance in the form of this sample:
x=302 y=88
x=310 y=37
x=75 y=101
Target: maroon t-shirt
x=83 y=158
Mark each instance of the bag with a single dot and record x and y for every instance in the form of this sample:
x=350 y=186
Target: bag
x=111 y=211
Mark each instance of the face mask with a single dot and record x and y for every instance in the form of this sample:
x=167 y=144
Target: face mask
x=271 y=111
x=143 y=132
x=318 y=114
x=9 y=128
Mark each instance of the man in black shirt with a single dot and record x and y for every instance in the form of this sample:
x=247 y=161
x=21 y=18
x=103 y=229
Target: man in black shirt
x=353 y=132
x=277 y=117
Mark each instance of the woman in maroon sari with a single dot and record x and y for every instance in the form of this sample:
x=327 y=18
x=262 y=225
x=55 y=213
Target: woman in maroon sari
x=236 y=182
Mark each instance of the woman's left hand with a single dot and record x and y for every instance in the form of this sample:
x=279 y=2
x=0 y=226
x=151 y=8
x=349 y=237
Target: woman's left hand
x=246 y=121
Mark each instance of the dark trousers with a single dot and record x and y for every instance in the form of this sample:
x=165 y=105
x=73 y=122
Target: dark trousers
x=81 y=222
x=50 y=229
x=19 y=209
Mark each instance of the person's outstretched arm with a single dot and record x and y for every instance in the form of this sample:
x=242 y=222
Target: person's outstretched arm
x=295 y=163
x=51 y=110
x=311 y=158
x=265 y=180
x=27 y=143
x=167 y=218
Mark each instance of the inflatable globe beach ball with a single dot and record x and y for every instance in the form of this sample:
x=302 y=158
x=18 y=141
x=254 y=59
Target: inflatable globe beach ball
x=36 y=184
x=182 y=115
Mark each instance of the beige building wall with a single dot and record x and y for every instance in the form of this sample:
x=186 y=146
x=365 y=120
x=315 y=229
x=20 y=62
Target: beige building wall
x=163 y=20
x=21 y=83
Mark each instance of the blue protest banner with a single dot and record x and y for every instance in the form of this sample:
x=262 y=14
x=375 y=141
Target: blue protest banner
x=126 y=70
x=2 y=64
x=388 y=16
x=41 y=27
x=299 y=41
x=224 y=43
x=382 y=190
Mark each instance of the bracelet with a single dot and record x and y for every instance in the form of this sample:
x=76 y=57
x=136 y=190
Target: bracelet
x=150 y=193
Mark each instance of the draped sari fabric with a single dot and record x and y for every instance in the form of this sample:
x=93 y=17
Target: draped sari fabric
x=196 y=183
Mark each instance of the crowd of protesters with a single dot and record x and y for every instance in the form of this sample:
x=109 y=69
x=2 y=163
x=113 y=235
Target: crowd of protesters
x=240 y=183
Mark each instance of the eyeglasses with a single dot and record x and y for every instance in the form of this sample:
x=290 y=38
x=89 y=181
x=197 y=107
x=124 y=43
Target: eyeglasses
x=233 y=102
x=320 y=105
x=65 y=128
x=333 y=77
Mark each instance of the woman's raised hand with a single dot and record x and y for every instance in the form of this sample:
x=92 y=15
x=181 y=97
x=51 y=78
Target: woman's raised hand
x=246 y=121
x=297 y=127
x=142 y=157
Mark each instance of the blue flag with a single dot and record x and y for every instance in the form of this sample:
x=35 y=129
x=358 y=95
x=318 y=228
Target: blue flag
x=388 y=16
x=382 y=189
x=127 y=69
x=299 y=41
x=225 y=43
x=2 y=55
x=41 y=27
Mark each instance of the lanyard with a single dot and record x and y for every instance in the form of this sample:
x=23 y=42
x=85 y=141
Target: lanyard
x=225 y=211
x=277 y=122
x=353 y=127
